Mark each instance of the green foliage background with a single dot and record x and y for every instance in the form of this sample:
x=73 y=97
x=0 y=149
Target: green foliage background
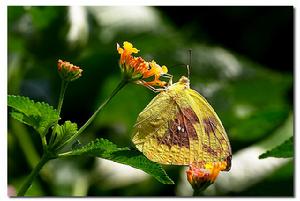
x=254 y=100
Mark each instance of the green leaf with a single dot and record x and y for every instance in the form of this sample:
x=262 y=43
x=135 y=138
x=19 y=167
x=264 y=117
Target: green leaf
x=285 y=150
x=39 y=115
x=64 y=132
x=105 y=149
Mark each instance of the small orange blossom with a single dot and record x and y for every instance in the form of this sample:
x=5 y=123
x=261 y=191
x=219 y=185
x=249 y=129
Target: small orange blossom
x=137 y=69
x=68 y=71
x=201 y=177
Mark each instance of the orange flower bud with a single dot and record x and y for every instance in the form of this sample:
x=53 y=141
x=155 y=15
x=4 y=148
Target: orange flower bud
x=201 y=177
x=68 y=71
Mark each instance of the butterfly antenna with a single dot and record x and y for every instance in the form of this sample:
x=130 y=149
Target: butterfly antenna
x=189 y=63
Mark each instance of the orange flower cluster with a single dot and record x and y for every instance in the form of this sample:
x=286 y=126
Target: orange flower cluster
x=136 y=68
x=201 y=177
x=68 y=71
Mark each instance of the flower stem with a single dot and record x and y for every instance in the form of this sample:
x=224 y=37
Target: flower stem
x=198 y=192
x=63 y=88
x=89 y=121
x=45 y=158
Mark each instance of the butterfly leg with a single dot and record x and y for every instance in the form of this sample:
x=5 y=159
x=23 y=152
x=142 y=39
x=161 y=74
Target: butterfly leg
x=170 y=77
x=156 y=90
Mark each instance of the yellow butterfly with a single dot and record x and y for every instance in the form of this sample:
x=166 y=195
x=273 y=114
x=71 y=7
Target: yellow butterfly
x=179 y=127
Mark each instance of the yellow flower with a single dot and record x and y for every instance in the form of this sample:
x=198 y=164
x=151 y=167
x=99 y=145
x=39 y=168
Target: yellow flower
x=68 y=71
x=126 y=52
x=201 y=177
x=137 y=69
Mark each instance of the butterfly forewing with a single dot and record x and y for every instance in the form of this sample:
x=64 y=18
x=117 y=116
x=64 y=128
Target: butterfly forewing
x=151 y=121
x=156 y=132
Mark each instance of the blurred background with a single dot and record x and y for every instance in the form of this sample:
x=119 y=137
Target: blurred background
x=242 y=62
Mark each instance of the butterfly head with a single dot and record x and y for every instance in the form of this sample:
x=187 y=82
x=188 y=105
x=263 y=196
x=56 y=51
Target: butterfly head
x=185 y=81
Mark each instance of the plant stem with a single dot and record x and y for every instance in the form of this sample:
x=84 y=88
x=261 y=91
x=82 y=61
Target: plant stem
x=89 y=121
x=25 y=143
x=44 y=142
x=45 y=158
x=197 y=192
x=63 y=88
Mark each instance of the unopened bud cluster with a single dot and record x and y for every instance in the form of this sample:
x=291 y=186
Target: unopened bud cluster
x=67 y=71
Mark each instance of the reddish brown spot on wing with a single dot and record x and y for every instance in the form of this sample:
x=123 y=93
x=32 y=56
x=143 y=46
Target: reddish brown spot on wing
x=181 y=129
x=210 y=150
x=209 y=125
x=190 y=115
x=228 y=161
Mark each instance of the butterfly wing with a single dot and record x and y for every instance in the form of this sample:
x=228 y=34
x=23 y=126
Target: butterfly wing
x=180 y=127
x=214 y=141
x=151 y=125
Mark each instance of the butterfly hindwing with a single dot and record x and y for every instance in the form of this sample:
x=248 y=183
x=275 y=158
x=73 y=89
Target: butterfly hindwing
x=214 y=141
x=179 y=127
